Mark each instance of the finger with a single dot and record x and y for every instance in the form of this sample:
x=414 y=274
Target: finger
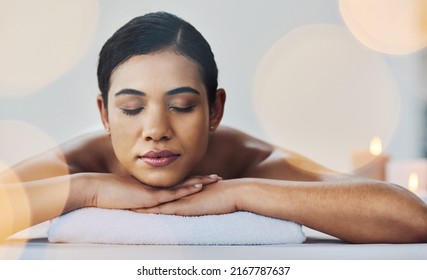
x=167 y=195
x=171 y=208
x=203 y=180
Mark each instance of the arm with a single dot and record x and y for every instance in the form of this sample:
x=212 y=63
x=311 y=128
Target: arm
x=34 y=191
x=28 y=203
x=48 y=185
x=353 y=209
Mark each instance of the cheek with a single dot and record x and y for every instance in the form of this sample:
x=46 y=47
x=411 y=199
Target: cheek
x=194 y=134
x=123 y=125
x=123 y=137
x=121 y=147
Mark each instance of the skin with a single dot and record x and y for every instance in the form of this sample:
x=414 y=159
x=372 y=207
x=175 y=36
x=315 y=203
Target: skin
x=104 y=169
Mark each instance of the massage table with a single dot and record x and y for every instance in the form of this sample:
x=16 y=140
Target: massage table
x=32 y=244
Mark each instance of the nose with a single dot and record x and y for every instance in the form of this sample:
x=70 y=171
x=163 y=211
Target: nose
x=156 y=126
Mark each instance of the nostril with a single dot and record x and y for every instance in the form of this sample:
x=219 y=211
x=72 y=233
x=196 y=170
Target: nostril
x=156 y=130
x=162 y=138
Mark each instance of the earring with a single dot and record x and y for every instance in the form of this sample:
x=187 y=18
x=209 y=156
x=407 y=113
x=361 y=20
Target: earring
x=107 y=129
x=212 y=127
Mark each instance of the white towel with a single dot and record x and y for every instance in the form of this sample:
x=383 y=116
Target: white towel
x=95 y=225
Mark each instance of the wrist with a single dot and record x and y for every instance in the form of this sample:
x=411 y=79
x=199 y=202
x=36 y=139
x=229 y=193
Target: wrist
x=262 y=196
x=244 y=195
x=82 y=190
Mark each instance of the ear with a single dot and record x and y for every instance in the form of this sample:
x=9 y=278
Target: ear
x=217 y=109
x=103 y=112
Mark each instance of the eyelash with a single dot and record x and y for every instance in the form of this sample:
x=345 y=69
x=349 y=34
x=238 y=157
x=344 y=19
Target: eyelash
x=182 y=110
x=134 y=112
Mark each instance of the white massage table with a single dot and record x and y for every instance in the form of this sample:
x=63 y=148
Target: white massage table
x=317 y=247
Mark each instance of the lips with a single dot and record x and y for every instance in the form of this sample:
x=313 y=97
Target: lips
x=159 y=158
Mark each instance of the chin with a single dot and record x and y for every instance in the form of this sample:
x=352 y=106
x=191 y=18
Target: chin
x=160 y=181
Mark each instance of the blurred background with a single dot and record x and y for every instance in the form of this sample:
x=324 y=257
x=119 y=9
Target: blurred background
x=321 y=78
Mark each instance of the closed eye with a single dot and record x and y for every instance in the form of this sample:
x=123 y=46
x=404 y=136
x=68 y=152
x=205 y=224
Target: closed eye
x=132 y=112
x=182 y=109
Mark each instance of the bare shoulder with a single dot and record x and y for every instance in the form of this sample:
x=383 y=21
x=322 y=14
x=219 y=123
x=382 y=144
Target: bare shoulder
x=240 y=141
x=91 y=152
x=235 y=152
x=86 y=153
x=297 y=167
x=264 y=160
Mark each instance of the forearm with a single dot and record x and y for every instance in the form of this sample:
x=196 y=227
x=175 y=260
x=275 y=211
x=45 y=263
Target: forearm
x=28 y=203
x=360 y=211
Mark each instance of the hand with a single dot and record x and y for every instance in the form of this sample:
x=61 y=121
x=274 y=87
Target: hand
x=112 y=191
x=216 y=198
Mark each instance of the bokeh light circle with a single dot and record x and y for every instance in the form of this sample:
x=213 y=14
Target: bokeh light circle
x=21 y=140
x=41 y=40
x=12 y=250
x=319 y=93
x=393 y=27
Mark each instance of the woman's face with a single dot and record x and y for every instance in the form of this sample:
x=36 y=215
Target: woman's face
x=158 y=115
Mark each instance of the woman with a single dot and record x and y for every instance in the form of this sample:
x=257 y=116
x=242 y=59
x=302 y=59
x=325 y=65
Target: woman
x=161 y=110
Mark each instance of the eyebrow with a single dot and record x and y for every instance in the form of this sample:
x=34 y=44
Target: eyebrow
x=182 y=90
x=130 y=91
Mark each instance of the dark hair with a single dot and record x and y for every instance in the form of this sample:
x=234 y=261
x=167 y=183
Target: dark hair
x=155 y=32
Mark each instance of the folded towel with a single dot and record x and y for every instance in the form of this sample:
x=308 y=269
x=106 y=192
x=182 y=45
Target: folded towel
x=95 y=225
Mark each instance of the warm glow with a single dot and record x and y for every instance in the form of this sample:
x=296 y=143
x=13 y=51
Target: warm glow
x=413 y=182
x=7 y=204
x=394 y=27
x=41 y=40
x=19 y=141
x=22 y=140
x=376 y=147
x=320 y=66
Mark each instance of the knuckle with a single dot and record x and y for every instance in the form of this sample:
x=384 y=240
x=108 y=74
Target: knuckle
x=173 y=192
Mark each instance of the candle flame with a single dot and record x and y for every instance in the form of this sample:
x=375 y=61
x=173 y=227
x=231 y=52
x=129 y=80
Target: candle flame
x=376 y=147
x=413 y=182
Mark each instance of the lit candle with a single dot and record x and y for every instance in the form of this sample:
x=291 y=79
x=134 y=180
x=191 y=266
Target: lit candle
x=411 y=174
x=370 y=163
x=413 y=182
